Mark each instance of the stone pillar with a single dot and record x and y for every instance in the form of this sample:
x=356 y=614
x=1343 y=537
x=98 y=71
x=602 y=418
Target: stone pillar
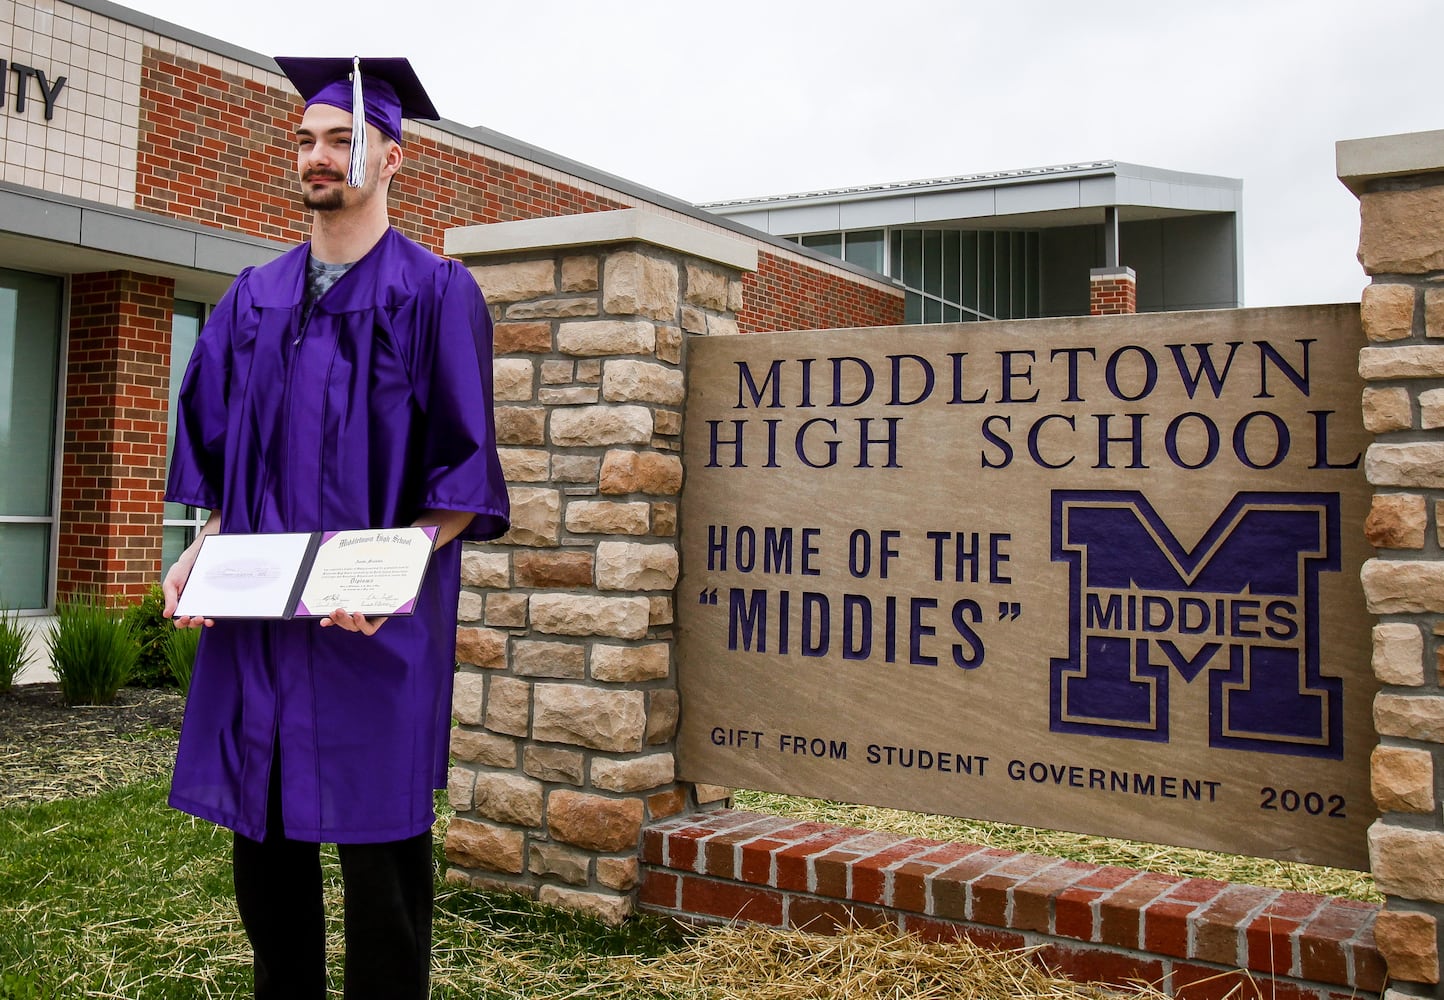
x=1399 y=181
x=566 y=700
x=114 y=466
x=1112 y=291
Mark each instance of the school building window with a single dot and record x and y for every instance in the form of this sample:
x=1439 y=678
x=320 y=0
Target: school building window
x=951 y=275
x=181 y=521
x=31 y=308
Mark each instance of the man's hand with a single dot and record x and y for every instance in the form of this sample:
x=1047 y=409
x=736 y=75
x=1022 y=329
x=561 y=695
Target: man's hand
x=175 y=578
x=449 y=524
x=353 y=622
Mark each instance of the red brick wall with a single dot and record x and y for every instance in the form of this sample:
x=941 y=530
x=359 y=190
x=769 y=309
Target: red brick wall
x=1112 y=295
x=113 y=470
x=784 y=294
x=1197 y=939
x=217 y=149
x=440 y=188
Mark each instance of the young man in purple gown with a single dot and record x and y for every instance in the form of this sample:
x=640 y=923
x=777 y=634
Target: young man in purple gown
x=346 y=384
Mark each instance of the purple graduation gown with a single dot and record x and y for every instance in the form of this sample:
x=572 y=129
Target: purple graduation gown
x=379 y=409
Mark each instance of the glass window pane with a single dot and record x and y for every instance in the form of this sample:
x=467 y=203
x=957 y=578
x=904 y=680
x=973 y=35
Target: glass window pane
x=1018 y=276
x=987 y=280
x=173 y=542
x=864 y=248
x=185 y=328
x=952 y=266
x=933 y=261
x=970 y=270
x=828 y=243
x=952 y=314
x=912 y=259
x=932 y=311
x=913 y=308
x=1002 y=276
x=24 y=565
x=182 y=524
x=1035 y=277
x=895 y=265
x=29 y=369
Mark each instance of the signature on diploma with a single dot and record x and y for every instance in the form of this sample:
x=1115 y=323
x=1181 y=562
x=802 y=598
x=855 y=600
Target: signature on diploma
x=377 y=599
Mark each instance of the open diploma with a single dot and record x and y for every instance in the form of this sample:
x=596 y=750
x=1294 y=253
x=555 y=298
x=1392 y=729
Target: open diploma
x=373 y=571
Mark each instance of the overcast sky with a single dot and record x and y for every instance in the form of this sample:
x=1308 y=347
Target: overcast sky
x=753 y=97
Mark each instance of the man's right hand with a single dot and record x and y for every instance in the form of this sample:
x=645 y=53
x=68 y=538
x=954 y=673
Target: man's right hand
x=172 y=585
x=175 y=578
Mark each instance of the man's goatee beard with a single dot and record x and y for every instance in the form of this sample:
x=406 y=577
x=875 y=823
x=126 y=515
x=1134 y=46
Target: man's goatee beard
x=324 y=201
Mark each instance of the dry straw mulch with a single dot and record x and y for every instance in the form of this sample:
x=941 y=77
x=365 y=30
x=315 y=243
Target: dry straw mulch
x=51 y=751
x=757 y=963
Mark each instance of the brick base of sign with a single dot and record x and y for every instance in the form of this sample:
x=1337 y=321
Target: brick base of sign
x=1197 y=939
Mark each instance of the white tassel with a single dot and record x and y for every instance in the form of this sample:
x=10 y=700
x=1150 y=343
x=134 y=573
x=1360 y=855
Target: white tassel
x=356 y=176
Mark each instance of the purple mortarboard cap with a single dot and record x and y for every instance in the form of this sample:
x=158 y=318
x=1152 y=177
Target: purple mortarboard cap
x=379 y=91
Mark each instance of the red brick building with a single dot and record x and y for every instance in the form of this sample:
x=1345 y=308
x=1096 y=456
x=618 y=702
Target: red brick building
x=144 y=166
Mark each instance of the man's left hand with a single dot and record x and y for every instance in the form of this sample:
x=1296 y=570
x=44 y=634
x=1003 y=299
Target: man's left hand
x=353 y=622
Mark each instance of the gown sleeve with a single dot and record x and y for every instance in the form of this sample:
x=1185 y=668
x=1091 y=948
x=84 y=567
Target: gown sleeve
x=197 y=465
x=459 y=463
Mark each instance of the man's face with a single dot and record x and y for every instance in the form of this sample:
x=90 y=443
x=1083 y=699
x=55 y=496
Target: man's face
x=323 y=156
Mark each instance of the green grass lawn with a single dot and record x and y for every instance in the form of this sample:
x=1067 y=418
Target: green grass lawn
x=120 y=896
x=115 y=895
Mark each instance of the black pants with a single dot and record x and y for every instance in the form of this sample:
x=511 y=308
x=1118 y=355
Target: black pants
x=388 y=893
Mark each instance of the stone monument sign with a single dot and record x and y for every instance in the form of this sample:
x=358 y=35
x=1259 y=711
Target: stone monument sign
x=1087 y=574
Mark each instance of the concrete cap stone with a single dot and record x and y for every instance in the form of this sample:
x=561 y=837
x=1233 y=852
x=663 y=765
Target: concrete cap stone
x=1359 y=161
x=631 y=225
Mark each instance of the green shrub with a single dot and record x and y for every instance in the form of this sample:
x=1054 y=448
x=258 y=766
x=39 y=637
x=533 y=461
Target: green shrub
x=93 y=649
x=14 y=648
x=152 y=631
x=180 y=655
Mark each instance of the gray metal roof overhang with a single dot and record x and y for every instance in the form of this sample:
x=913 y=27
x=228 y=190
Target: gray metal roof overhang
x=1043 y=198
x=59 y=234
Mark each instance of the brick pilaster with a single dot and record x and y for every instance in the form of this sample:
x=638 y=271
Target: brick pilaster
x=1400 y=184
x=117 y=394
x=1112 y=291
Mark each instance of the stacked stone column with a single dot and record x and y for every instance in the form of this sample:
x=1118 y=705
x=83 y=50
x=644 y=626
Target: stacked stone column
x=565 y=699
x=1400 y=184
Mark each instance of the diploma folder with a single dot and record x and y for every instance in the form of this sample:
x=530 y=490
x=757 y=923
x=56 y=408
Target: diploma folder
x=371 y=571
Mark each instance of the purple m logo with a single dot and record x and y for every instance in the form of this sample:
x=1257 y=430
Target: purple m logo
x=1239 y=607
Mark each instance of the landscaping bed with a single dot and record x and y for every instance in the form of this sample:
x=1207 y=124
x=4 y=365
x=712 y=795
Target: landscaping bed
x=49 y=750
